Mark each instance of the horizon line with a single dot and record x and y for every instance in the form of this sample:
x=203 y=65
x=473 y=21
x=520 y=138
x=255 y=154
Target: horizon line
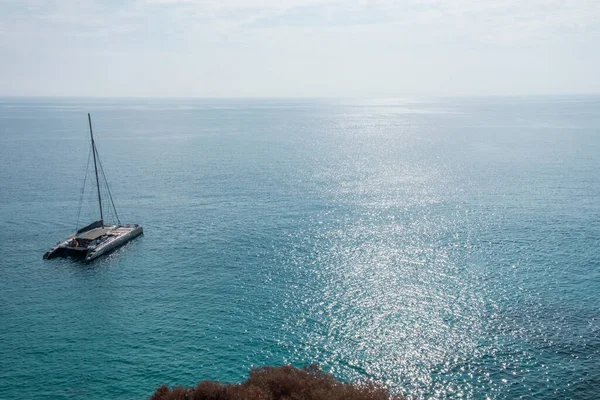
x=404 y=97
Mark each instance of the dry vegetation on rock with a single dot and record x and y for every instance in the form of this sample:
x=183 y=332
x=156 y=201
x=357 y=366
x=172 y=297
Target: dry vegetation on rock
x=279 y=383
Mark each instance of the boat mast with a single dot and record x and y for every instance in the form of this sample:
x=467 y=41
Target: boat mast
x=96 y=169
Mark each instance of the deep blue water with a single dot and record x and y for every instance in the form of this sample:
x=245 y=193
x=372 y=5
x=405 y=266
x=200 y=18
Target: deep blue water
x=446 y=248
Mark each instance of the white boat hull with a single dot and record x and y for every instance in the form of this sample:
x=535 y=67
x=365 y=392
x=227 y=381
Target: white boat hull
x=104 y=240
x=110 y=245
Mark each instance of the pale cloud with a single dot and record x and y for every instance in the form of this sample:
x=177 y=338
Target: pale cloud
x=299 y=46
x=495 y=21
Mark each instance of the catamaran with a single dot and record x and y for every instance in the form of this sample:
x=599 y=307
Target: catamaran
x=97 y=238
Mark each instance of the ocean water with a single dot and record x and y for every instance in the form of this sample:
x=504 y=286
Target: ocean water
x=446 y=248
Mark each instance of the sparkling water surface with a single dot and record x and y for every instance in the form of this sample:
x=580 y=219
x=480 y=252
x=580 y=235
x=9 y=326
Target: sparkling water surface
x=446 y=248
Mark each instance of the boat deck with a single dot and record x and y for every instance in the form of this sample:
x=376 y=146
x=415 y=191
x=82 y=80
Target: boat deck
x=95 y=233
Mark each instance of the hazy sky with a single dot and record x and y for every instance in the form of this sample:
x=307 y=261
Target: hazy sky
x=291 y=48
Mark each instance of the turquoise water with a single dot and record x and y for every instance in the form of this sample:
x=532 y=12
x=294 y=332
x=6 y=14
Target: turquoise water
x=445 y=248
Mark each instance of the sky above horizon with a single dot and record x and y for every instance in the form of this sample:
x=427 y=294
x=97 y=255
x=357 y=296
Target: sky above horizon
x=298 y=48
